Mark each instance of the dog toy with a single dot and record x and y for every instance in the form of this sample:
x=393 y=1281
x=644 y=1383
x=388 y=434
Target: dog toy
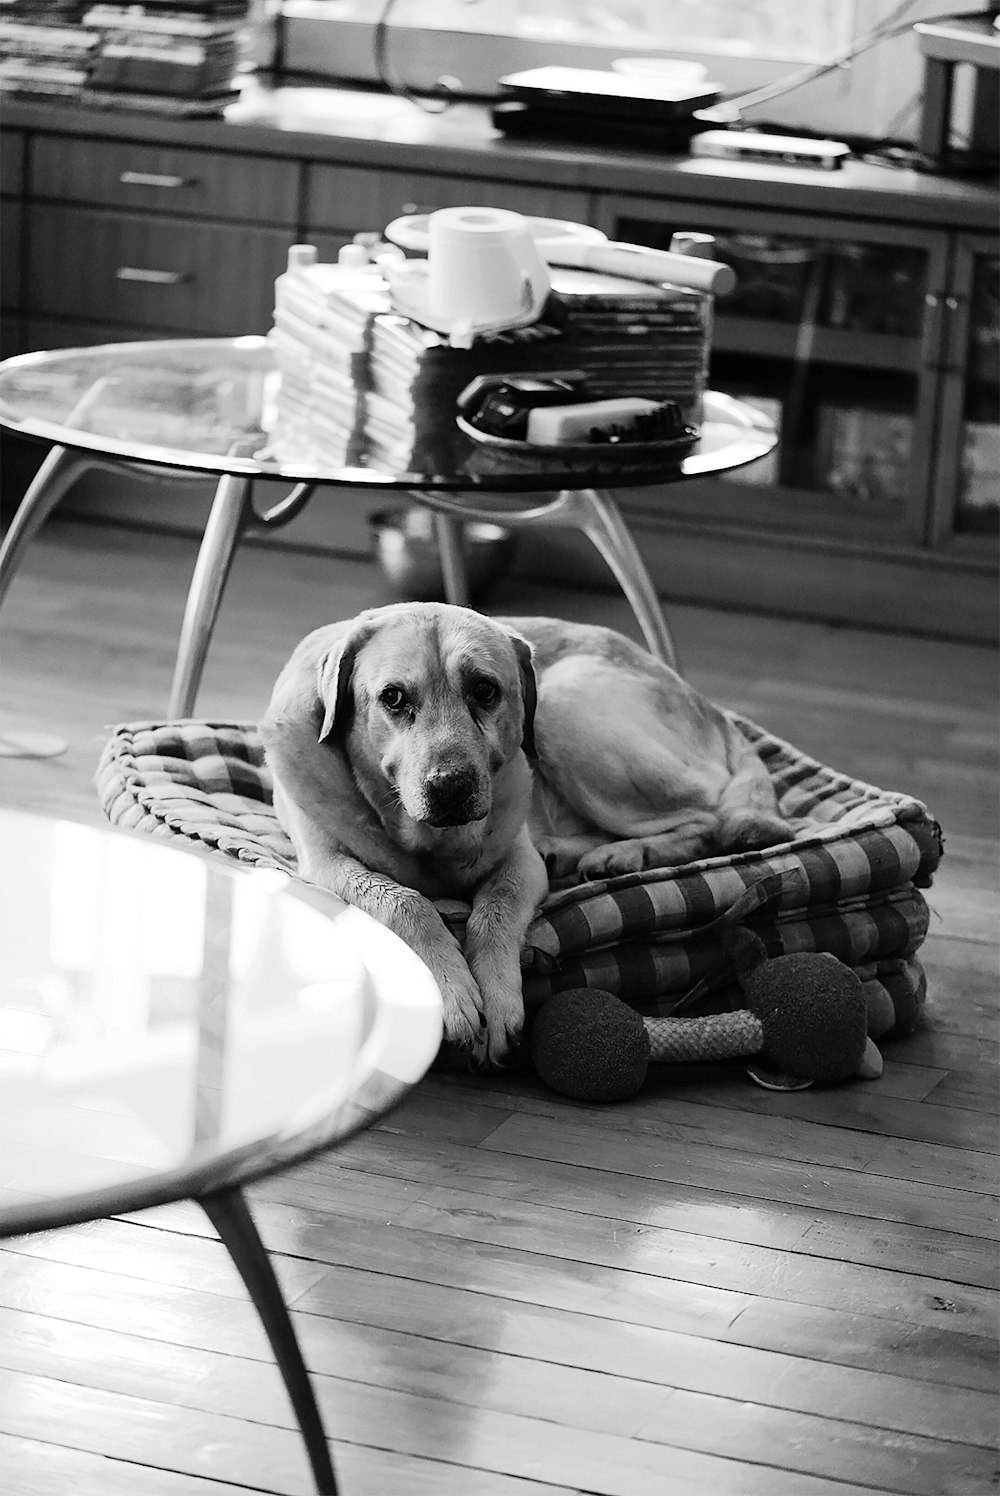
x=804 y=1019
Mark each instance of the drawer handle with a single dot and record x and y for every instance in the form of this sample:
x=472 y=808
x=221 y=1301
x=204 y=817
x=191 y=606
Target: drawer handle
x=150 y=277
x=151 y=179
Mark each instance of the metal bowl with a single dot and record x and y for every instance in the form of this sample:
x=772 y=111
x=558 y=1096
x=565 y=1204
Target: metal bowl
x=406 y=549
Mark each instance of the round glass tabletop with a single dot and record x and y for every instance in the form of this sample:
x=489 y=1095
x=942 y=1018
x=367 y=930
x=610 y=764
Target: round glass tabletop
x=207 y=405
x=169 y=1025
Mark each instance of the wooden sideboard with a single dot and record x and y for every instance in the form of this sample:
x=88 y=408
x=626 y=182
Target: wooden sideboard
x=866 y=320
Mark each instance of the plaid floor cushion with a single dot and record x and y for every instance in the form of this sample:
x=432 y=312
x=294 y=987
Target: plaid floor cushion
x=645 y=936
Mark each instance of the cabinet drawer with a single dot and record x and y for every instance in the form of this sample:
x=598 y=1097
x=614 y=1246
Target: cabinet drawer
x=11 y=336
x=154 y=272
x=352 y=200
x=10 y=253
x=11 y=162
x=42 y=333
x=251 y=189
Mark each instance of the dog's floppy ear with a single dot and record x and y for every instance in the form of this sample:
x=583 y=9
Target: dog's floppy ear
x=529 y=692
x=333 y=679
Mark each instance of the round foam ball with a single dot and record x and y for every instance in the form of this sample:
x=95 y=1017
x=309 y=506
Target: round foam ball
x=814 y=1015
x=590 y=1045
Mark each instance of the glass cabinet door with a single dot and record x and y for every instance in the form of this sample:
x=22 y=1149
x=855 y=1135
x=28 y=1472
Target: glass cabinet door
x=974 y=364
x=830 y=333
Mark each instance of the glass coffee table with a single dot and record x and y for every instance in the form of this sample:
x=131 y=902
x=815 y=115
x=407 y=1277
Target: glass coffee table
x=202 y=406
x=174 y=1029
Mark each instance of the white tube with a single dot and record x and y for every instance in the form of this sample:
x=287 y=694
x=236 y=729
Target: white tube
x=642 y=264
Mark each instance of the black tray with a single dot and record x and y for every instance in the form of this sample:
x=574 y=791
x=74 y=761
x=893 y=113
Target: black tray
x=595 y=458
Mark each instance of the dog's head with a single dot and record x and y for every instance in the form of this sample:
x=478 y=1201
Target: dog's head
x=432 y=701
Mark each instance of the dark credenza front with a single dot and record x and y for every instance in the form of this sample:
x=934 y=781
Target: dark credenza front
x=866 y=320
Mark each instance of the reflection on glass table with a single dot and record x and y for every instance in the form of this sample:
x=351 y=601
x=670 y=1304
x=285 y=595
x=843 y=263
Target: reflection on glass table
x=171 y=1028
x=205 y=406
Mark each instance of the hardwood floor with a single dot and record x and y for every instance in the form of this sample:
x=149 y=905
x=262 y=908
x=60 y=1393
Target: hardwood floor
x=712 y=1289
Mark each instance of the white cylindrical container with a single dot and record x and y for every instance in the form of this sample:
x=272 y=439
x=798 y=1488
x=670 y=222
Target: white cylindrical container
x=484 y=269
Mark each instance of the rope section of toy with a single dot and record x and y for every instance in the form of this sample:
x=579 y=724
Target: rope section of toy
x=715 y=1036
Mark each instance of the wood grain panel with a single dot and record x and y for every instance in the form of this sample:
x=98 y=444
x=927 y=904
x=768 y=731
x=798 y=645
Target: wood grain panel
x=12 y=153
x=349 y=199
x=222 y=279
x=11 y=283
x=589 y=1189
x=761 y=1175
x=134 y=177
x=501 y=1292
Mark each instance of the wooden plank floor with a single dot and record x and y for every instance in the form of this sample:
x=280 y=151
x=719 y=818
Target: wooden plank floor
x=713 y=1289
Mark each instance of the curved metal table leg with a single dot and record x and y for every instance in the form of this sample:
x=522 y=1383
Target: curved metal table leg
x=51 y=483
x=448 y=533
x=232 y=511
x=230 y=1215
x=596 y=513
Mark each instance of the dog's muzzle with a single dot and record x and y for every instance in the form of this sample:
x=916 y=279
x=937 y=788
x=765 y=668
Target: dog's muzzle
x=452 y=797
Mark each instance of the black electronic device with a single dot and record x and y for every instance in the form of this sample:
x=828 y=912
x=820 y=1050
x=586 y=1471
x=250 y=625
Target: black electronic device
x=531 y=122
x=589 y=93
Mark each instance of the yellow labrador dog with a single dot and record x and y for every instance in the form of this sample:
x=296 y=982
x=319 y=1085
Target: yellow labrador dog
x=422 y=751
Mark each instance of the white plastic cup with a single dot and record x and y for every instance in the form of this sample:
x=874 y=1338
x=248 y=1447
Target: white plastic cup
x=687 y=242
x=484 y=269
x=661 y=69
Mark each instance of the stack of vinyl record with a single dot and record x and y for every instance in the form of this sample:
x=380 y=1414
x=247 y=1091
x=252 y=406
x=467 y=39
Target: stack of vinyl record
x=44 y=50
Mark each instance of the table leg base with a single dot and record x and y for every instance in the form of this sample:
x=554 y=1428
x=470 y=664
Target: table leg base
x=230 y=1215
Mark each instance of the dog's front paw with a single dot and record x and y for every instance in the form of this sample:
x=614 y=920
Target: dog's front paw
x=464 y=1020
x=504 y=1022
x=611 y=861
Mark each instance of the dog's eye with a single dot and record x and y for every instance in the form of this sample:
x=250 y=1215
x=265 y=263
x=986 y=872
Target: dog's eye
x=485 y=692
x=393 y=698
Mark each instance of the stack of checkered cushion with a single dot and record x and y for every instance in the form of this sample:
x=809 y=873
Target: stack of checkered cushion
x=856 y=893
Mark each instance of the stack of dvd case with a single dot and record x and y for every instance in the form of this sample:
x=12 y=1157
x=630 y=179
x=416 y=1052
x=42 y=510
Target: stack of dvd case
x=44 y=49
x=168 y=56
x=362 y=383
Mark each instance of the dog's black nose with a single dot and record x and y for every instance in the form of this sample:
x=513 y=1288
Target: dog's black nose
x=449 y=794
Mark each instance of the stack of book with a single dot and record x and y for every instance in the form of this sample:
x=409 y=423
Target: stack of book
x=44 y=50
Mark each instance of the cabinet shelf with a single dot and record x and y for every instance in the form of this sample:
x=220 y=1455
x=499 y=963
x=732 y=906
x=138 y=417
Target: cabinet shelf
x=828 y=345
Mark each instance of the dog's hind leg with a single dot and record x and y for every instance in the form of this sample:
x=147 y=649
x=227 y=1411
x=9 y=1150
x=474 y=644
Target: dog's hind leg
x=685 y=842
x=641 y=782
x=748 y=814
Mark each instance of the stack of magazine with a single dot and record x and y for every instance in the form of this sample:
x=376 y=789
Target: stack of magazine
x=176 y=57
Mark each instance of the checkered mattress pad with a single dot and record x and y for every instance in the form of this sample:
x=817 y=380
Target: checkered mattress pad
x=855 y=893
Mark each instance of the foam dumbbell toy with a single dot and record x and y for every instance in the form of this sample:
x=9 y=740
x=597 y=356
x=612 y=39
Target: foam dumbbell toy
x=803 y=1019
